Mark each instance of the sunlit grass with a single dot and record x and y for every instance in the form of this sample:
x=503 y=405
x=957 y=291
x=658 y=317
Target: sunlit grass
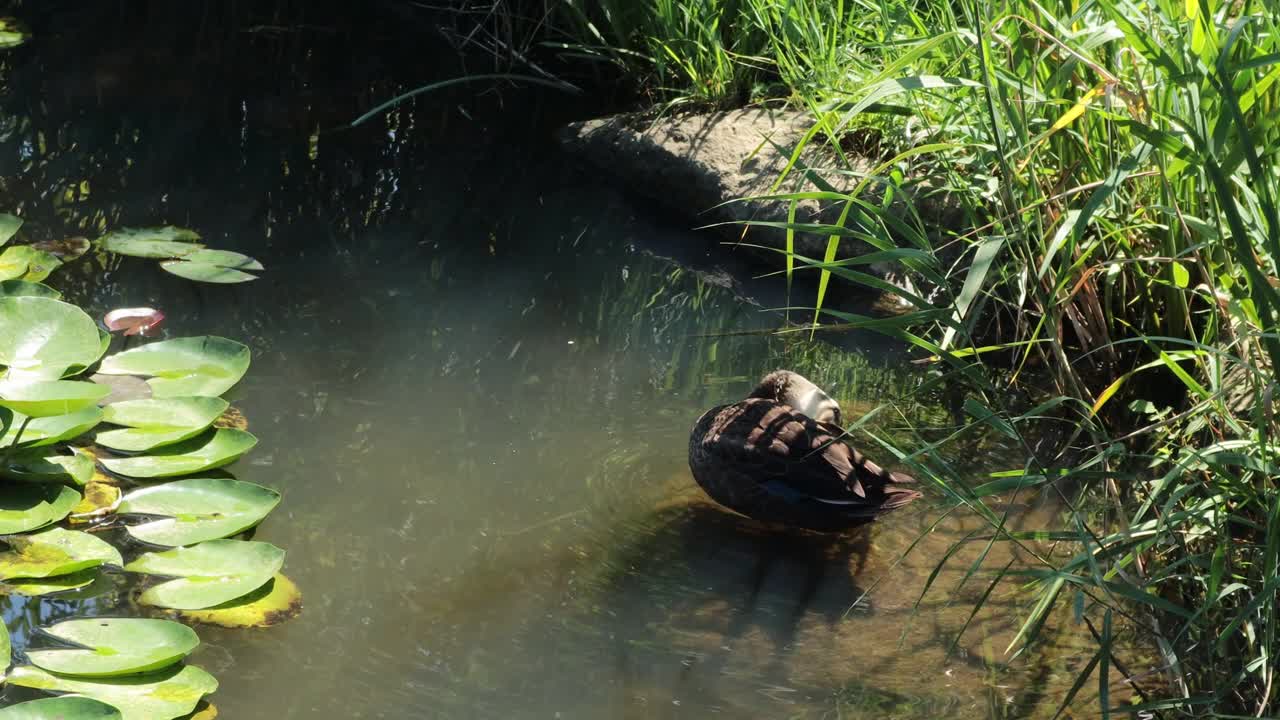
x=1115 y=165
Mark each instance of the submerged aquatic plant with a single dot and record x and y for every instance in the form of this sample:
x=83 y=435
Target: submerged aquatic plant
x=50 y=452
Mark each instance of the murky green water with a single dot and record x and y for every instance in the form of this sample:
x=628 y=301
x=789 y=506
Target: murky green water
x=473 y=384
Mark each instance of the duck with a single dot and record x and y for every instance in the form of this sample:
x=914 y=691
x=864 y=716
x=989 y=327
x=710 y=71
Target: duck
x=778 y=456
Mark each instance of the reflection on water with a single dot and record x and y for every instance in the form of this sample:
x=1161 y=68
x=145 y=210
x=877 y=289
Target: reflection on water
x=474 y=386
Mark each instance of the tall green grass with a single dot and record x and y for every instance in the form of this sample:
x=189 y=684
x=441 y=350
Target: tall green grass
x=1115 y=165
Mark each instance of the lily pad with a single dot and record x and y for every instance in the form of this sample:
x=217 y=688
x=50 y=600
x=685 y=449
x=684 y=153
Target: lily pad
x=158 y=243
x=42 y=338
x=163 y=695
x=51 y=397
x=9 y=224
x=39 y=465
x=215 y=266
x=33 y=587
x=28 y=507
x=156 y=422
x=39 y=432
x=206 y=365
x=198 y=509
x=26 y=288
x=274 y=603
x=6 y=646
x=68 y=707
x=11 y=35
x=15 y=261
x=205 y=452
x=115 y=646
x=208 y=574
x=54 y=552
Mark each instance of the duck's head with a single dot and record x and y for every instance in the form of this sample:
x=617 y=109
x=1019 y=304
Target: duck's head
x=793 y=389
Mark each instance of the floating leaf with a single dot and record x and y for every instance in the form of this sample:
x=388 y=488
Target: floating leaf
x=6 y=647
x=54 y=552
x=158 y=243
x=202 y=272
x=40 y=265
x=205 y=452
x=28 y=507
x=15 y=261
x=198 y=509
x=204 y=365
x=11 y=35
x=123 y=387
x=26 y=288
x=39 y=432
x=9 y=224
x=215 y=266
x=50 y=397
x=42 y=338
x=64 y=249
x=208 y=574
x=134 y=321
x=115 y=646
x=156 y=422
x=38 y=465
x=32 y=587
x=68 y=707
x=163 y=695
x=277 y=601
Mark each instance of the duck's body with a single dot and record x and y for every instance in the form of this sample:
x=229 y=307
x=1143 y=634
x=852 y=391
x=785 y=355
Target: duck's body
x=777 y=456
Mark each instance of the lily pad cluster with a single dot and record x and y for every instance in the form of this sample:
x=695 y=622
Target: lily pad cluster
x=92 y=484
x=180 y=253
x=35 y=262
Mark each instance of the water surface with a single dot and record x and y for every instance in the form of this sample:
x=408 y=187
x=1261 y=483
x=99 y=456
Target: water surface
x=475 y=370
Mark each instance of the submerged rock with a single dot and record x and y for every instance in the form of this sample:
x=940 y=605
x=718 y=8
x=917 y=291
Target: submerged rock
x=701 y=166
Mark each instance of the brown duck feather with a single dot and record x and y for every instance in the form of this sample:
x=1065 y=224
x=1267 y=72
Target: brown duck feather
x=767 y=460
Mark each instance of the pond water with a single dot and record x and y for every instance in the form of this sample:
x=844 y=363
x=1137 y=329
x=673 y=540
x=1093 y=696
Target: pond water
x=475 y=368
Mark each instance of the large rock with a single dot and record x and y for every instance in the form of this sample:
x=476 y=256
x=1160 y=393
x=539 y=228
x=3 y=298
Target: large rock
x=701 y=166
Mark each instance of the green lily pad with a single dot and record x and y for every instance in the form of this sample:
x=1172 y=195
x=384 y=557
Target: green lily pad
x=39 y=465
x=42 y=338
x=54 y=552
x=6 y=646
x=158 y=243
x=39 y=432
x=277 y=601
x=214 y=266
x=67 y=707
x=99 y=499
x=203 y=272
x=28 y=507
x=204 y=365
x=11 y=35
x=208 y=574
x=40 y=265
x=9 y=224
x=198 y=509
x=34 y=587
x=155 y=422
x=15 y=261
x=163 y=695
x=51 y=397
x=27 y=263
x=205 y=452
x=115 y=646
x=26 y=288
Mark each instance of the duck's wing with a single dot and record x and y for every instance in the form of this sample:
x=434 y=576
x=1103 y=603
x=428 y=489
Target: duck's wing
x=793 y=454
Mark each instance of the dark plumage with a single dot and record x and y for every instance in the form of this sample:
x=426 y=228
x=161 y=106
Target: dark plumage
x=777 y=456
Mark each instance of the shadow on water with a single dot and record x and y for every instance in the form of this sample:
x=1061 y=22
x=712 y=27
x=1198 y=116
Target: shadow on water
x=474 y=374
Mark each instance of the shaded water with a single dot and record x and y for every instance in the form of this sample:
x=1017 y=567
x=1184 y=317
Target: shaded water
x=473 y=382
